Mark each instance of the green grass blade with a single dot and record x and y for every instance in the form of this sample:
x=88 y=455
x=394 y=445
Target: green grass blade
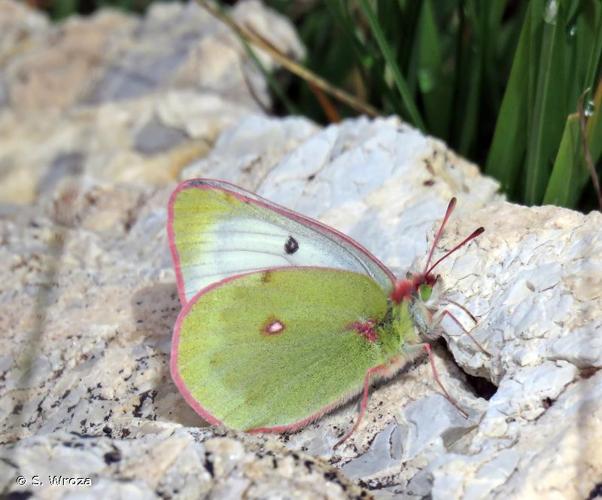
x=570 y=173
x=594 y=126
x=550 y=103
x=510 y=137
x=63 y=8
x=594 y=20
x=392 y=66
x=564 y=185
x=493 y=66
x=367 y=60
x=399 y=22
x=536 y=8
x=470 y=71
x=339 y=14
x=428 y=61
x=584 y=41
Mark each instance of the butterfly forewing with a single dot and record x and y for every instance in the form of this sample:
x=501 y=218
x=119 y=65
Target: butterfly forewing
x=218 y=230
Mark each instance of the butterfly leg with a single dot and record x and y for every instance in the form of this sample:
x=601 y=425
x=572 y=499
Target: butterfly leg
x=364 y=403
x=429 y=351
x=439 y=318
x=460 y=306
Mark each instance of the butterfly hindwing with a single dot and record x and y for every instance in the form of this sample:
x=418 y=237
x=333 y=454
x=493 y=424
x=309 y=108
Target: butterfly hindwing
x=218 y=230
x=268 y=350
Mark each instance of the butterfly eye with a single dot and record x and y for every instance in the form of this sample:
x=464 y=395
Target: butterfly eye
x=431 y=280
x=425 y=292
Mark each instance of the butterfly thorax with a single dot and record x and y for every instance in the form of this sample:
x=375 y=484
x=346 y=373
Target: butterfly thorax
x=397 y=331
x=417 y=295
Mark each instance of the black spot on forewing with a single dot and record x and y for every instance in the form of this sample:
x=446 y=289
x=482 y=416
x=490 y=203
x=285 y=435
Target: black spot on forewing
x=291 y=245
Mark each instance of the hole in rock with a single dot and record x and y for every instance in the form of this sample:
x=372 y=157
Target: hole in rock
x=481 y=386
x=596 y=492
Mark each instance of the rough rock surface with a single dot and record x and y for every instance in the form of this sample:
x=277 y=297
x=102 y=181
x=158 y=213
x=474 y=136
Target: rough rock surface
x=121 y=98
x=89 y=298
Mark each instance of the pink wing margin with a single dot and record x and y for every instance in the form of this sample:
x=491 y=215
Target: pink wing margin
x=248 y=197
x=383 y=371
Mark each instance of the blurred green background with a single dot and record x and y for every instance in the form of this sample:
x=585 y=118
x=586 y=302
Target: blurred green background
x=514 y=85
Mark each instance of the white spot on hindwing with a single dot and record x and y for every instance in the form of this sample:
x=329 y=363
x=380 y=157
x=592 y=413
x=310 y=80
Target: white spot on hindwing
x=272 y=327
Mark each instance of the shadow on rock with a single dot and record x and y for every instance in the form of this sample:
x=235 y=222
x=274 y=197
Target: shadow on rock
x=155 y=310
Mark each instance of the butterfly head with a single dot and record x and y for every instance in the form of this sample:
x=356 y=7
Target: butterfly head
x=422 y=306
x=416 y=285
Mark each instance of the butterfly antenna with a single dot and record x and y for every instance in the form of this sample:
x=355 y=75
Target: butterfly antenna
x=450 y=208
x=474 y=234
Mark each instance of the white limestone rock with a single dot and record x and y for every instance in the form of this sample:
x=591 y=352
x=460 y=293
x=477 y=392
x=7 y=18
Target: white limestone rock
x=246 y=152
x=532 y=279
x=169 y=464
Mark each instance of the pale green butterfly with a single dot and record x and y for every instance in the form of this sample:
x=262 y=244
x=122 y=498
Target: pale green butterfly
x=284 y=318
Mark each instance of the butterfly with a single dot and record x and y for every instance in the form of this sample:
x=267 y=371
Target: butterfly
x=283 y=318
